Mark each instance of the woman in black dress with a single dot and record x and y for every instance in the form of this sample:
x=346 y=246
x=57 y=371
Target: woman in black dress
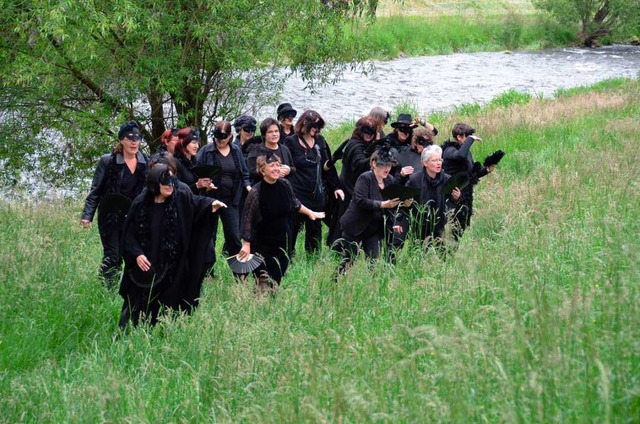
x=164 y=238
x=315 y=176
x=121 y=172
x=266 y=223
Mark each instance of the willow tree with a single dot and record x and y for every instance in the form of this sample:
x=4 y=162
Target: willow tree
x=72 y=70
x=594 y=18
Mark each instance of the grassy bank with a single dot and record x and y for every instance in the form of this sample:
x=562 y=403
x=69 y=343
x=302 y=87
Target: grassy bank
x=535 y=318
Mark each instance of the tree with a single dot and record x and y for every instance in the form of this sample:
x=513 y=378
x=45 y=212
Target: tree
x=596 y=18
x=73 y=70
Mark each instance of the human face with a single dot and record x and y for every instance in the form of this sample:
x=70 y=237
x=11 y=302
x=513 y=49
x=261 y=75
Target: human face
x=403 y=133
x=271 y=172
x=130 y=147
x=192 y=148
x=433 y=165
x=167 y=186
x=381 y=171
x=272 y=135
x=220 y=141
x=315 y=128
x=247 y=132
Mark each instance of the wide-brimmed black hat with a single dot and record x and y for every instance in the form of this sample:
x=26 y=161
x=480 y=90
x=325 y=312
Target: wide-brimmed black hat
x=404 y=119
x=286 y=108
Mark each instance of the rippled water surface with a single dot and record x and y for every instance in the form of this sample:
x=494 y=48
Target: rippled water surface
x=434 y=83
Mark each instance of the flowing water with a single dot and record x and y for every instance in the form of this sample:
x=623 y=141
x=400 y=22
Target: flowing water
x=439 y=83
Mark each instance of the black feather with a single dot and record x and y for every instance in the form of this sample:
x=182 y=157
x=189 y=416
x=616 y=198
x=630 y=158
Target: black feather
x=493 y=159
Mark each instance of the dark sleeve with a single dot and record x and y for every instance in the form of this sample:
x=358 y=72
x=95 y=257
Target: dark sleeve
x=96 y=191
x=250 y=214
x=331 y=175
x=244 y=170
x=287 y=158
x=459 y=155
x=254 y=175
x=295 y=203
x=361 y=194
x=131 y=247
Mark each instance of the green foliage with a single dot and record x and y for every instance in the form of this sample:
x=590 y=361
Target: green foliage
x=79 y=69
x=534 y=318
x=594 y=19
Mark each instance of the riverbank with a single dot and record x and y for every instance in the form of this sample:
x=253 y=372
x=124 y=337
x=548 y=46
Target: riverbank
x=535 y=317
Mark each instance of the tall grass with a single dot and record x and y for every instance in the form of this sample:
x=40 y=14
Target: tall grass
x=534 y=318
x=394 y=36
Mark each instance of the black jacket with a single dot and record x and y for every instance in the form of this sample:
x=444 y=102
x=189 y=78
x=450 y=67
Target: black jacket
x=209 y=155
x=364 y=211
x=430 y=214
x=107 y=179
x=260 y=149
x=355 y=162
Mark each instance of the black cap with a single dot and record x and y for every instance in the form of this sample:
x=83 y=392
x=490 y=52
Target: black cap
x=286 y=108
x=244 y=121
x=130 y=130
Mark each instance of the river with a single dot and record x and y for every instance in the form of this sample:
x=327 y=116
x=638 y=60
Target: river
x=439 y=83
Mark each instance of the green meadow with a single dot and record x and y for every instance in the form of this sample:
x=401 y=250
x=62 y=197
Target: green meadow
x=534 y=317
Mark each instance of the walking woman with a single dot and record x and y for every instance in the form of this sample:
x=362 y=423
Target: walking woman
x=266 y=223
x=270 y=131
x=430 y=209
x=229 y=183
x=315 y=176
x=164 y=237
x=370 y=214
x=355 y=162
x=121 y=172
x=185 y=154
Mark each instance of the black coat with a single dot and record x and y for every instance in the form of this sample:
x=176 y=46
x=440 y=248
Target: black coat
x=355 y=162
x=364 y=212
x=187 y=236
x=430 y=215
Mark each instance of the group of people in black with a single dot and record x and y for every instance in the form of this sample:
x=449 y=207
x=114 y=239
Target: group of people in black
x=160 y=215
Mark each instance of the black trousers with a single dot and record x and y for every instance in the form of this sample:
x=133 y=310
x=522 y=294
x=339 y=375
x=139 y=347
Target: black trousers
x=313 y=233
x=230 y=217
x=110 y=234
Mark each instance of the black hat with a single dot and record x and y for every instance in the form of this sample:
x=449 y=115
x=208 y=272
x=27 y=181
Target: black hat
x=286 y=108
x=404 y=119
x=130 y=130
x=244 y=121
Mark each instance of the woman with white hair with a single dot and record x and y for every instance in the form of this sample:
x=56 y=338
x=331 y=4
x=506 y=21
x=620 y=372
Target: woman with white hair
x=429 y=212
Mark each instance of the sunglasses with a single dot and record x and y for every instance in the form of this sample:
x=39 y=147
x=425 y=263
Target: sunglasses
x=288 y=115
x=318 y=126
x=169 y=180
x=220 y=135
x=249 y=129
x=404 y=130
x=368 y=131
x=423 y=141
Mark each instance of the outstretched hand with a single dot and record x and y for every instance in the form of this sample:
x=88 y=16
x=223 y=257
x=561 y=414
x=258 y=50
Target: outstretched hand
x=316 y=215
x=390 y=204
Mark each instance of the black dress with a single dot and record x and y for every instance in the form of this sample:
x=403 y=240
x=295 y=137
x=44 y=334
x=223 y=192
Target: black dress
x=266 y=224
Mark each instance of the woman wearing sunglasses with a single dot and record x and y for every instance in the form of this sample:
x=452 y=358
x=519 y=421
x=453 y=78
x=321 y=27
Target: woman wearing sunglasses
x=286 y=113
x=230 y=182
x=119 y=176
x=315 y=176
x=164 y=234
